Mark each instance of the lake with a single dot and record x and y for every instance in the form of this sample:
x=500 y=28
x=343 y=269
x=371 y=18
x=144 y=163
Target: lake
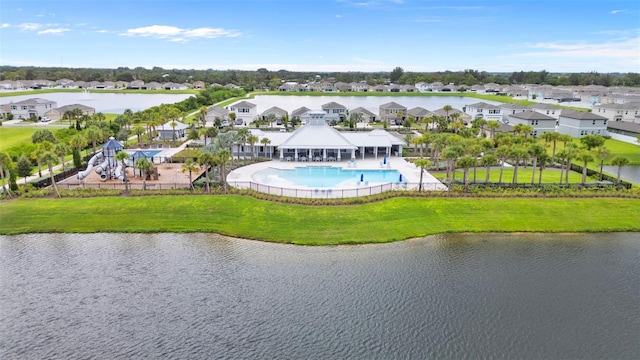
x=371 y=103
x=201 y=296
x=107 y=103
x=630 y=172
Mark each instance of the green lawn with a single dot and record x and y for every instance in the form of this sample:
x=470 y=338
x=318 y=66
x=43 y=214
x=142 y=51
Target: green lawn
x=549 y=176
x=384 y=221
x=12 y=136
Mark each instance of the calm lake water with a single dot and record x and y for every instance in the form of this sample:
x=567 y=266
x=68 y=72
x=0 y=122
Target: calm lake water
x=629 y=172
x=201 y=296
x=371 y=103
x=108 y=103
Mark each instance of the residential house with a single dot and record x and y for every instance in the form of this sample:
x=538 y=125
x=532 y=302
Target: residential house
x=136 y=85
x=5 y=110
x=510 y=109
x=297 y=114
x=57 y=113
x=286 y=87
x=581 y=123
x=419 y=114
x=335 y=112
x=624 y=130
x=245 y=112
x=618 y=112
x=359 y=86
x=540 y=123
x=216 y=112
x=342 y=86
x=380 y=88
x=466 y=118
x=176 y=132
x=423 y=87
x=199 y=84
x=153 y=85
x=275 y=113
x=34 y=108
x=366 y=117
x=482 y=110
x=392 y=112
x=546 y=109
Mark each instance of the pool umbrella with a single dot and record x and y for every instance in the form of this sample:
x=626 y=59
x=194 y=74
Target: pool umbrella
x=400 y=178
x=361 y=177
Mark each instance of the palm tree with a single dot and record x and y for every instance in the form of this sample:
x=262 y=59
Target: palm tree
x=517 y=154
x=584 y=156
x=190 y=166
x=561 y=156
x=265 y=142
x=502 y=153
x=602 y=152
x=522 y=129
x=479 y=124
x=620 y=161
x=535 y=150
x=206 y=159
x=139 y=130
x=488 y=160
x=252 y=140
x=446 y=109
x=223 y=156
x=455 y=124
x=543 y=161
x=465 y=163
x=243 y=134
x=571 y=153
x=93 y=134
x=208 y=132
x=144 y=165
x=122 y=156
x=551 y=137
x=475 y=151
x=50 y=158
x=5 y=165
x=203 y=115
x=493 y=125
x=173 y=125
x=415 y=142
x=422 y=164
x=62 y=149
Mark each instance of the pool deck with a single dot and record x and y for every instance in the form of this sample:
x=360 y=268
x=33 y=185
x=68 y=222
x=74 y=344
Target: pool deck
x=409 y=171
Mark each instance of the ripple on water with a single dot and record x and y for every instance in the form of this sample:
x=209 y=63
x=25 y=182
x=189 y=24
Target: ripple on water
x=208 y=296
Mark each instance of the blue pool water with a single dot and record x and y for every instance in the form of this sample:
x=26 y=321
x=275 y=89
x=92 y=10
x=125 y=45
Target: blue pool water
x=325 y=177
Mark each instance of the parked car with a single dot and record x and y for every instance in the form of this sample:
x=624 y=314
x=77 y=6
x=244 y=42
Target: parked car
x=45 y=119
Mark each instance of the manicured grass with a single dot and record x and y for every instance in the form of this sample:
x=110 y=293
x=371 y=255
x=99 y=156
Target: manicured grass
x=385 y=221
x=549 y=176
x=12 y=136
x=621 y=148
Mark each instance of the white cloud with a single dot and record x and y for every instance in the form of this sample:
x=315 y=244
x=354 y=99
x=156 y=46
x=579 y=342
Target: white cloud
x=29 y=26
x=53 y=31
x=613 y=12
x=4 y=26
x=177 y=34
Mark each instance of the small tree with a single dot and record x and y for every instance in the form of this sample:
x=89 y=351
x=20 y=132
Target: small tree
x=620 y=161
x=190 y=166
x=206 y=159
x=5 y=165
x=584 y=156
x=144 y=165
x=422 y=164
x=602 y=152
x=50 y=158
x=265 y=142
x=24 y=167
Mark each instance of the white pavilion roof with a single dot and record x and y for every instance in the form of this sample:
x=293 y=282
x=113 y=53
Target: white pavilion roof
x=317 y=135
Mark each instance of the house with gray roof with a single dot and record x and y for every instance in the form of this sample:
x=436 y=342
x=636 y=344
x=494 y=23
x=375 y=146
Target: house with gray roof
x=581 y=123
x=299 y=112
x=168 y=132
x=335 y=112
x=57 y=113
x=34 y=108
x=274 y=113
x=216 y=112
x=511 y=109
x=546 y=109
x=392 y=112
x=419 y=113
x=245 y=111
x=618 y=112
x=540 y=123
x=366 y=115
x=483 y=110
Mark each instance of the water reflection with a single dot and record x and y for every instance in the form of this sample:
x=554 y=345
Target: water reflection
x=208 y=296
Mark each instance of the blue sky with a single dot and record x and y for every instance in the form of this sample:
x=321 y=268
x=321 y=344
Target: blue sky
x=324 y=35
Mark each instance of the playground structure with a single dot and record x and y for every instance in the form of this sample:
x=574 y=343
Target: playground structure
x=105 y=163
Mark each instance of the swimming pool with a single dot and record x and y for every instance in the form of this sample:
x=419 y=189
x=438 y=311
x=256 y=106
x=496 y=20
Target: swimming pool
x=326 y=177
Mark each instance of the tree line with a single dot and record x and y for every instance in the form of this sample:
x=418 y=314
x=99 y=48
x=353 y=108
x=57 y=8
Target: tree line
x=263 y=78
